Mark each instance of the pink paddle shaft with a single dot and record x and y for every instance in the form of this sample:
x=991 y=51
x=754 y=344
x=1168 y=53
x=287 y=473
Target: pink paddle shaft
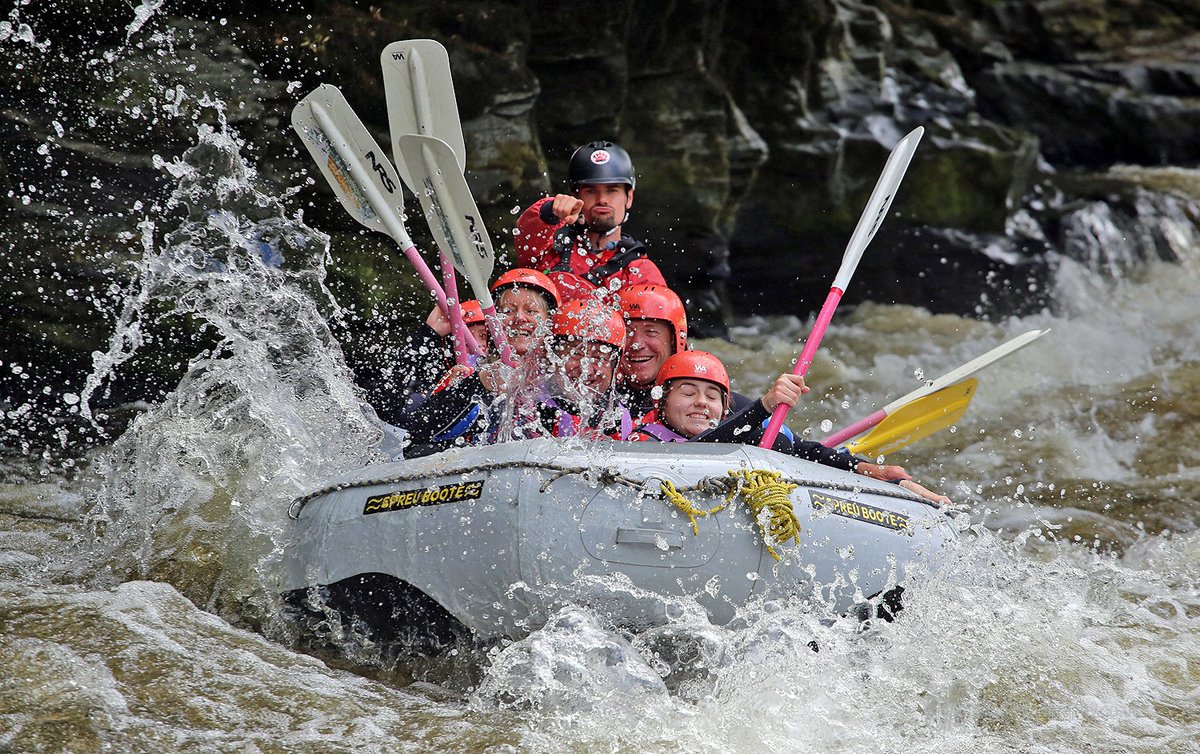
x=496 y=330
x=862 y=425
x=457 y=327
x=802 y=364
x=432 y=284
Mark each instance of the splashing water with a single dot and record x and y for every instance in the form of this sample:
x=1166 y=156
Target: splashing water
x=141 y=15
x=194 y=492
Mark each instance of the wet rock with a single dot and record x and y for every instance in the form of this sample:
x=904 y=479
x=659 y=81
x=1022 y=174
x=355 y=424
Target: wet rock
x=1139 y=113
x=1112 y=222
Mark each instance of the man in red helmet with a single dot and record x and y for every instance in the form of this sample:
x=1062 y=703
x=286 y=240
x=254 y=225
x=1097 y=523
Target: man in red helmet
x=656 y=328
x=576 y=238
x=578 y=396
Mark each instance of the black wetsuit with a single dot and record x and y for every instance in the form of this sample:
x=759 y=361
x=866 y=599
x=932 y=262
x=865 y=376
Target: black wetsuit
x=746 y=427
x=435 y=421
x=422 y=360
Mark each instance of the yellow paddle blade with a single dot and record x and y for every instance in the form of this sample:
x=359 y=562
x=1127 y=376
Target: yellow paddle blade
x=917 y=420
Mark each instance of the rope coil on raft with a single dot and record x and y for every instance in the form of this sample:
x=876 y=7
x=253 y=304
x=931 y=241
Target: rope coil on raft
x=768 y=497
x=770 y=501
x=676 y=498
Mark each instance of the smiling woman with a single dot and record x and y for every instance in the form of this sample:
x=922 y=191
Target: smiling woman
x=694 y=405
x=691 y=402
x=694 y=393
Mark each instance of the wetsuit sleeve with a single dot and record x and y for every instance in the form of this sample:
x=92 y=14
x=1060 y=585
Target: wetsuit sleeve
x=811 y=450
x=745 y=427
x=446 y=414
x=535 y=237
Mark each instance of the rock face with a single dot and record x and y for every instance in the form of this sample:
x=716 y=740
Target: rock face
x=758 y=131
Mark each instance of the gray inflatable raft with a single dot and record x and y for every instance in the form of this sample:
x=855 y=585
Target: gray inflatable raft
x=492 y=539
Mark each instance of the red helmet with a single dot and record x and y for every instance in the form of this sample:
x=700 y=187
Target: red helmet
x=695 y=365
x=523 y=276
x=587 y=320
x=656 y=302
x=472 y=312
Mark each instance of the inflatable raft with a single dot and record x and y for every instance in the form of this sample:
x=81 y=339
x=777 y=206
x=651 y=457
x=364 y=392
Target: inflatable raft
x=486 y=542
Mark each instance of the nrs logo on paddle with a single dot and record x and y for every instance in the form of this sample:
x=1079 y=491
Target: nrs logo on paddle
x=446 y=493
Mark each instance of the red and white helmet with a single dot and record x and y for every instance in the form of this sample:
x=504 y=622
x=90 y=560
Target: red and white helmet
x=586 y=320
x=695 y=365
x=656 y=302
x=472 y=312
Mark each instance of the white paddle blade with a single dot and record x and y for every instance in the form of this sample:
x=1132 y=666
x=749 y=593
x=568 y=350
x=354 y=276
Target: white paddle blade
x=968 y=369
x=450 y=209
x=877 y=206
x=357 y=170
x=420 y=98
x=979 y=362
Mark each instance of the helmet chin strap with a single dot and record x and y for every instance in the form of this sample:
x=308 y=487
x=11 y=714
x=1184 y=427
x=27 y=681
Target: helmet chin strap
x=607 y=245
x=601 y=244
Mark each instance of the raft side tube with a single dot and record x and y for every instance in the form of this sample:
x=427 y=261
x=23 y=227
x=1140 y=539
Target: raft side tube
x=500 y=536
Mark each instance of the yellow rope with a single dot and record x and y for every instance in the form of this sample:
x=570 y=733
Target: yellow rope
x=764 y=491
x=676 y=498
x=766 y=494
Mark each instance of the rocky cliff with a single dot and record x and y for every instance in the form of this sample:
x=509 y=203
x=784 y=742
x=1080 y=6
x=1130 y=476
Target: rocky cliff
x=1054 y=129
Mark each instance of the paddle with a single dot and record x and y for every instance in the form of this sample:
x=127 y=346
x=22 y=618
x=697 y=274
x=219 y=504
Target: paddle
x=918 y=420
x=930 y=409
x=868 y=224
x=420 y=98
x=454 y=219
x=457 y=325
x=342 y=148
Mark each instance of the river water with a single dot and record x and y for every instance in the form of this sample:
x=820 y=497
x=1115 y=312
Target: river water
x=137 y=589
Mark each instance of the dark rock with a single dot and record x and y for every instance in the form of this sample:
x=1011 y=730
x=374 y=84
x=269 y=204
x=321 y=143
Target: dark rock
x=758 y=131
x=1113 y=222
x=1100 y=116
x=948 y=270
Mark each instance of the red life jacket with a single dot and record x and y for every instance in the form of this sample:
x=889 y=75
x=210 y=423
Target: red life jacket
x=577 y=271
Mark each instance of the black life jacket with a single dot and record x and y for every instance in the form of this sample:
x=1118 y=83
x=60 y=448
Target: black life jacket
x=627 y=250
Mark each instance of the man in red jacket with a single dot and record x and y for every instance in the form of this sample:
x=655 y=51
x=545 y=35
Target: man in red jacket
x=576 y=238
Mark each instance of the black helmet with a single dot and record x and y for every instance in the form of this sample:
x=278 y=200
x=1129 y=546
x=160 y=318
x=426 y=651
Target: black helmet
x=600 y=162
